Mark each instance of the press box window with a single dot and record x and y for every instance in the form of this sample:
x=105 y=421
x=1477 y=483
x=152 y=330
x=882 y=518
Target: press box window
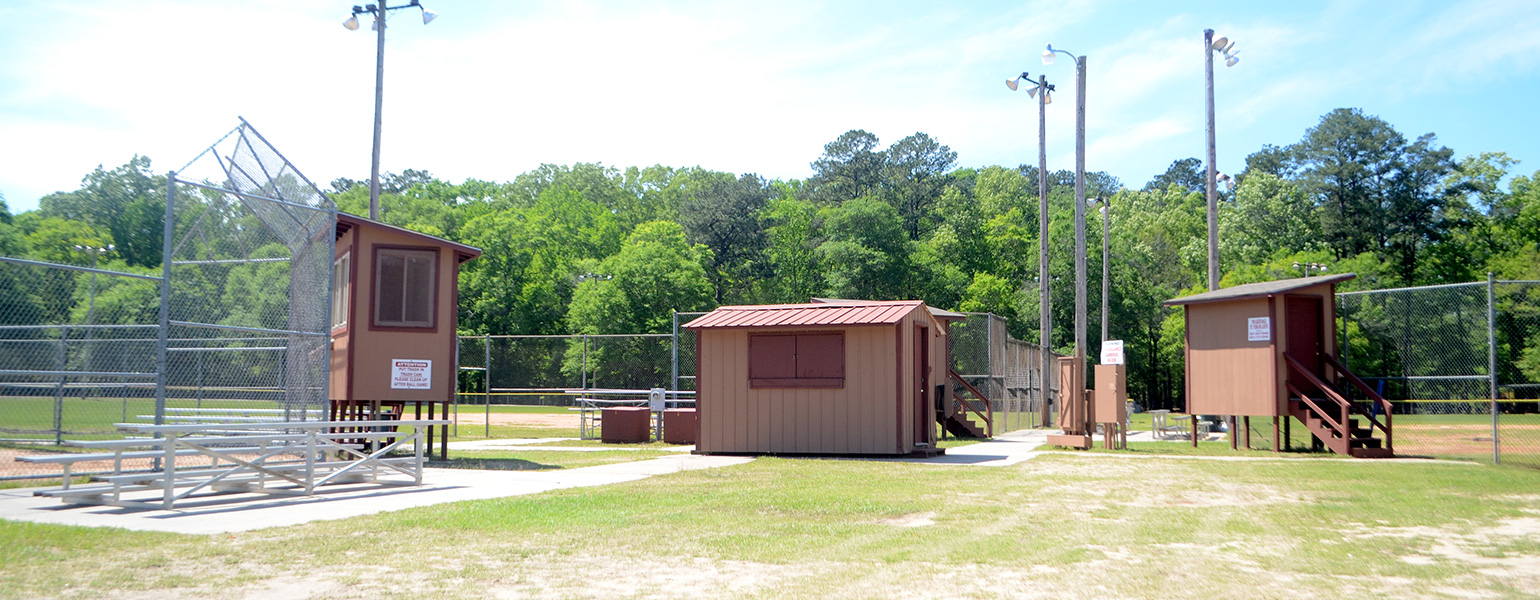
x=403 y=288
x=340 y=278
x=803 y=360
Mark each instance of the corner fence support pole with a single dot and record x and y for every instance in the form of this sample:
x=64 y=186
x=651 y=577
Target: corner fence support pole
x=1492 y=360
x=674 y=368
x=167 y=233
x=486 y=381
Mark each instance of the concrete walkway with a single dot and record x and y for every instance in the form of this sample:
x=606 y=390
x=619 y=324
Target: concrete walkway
x=227 y=513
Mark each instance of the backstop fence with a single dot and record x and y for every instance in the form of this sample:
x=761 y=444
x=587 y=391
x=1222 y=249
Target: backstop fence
x=233 y=325
x=1461 y=364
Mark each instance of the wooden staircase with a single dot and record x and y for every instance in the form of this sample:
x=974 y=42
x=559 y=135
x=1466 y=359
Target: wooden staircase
x=956 y=413
x=1334 y=420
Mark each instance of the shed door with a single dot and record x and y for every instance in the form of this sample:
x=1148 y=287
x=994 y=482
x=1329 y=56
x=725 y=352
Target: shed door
x=1303 y=323
x=922 y=383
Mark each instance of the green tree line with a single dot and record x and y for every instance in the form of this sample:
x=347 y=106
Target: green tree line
x=590 y=248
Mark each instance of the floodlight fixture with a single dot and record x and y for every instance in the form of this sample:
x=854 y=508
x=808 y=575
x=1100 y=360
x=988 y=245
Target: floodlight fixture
x=377 y=24
x=1012 y=82
x=1048 y=54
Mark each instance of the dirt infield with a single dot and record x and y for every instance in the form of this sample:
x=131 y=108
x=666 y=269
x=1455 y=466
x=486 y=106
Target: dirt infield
x=9 y=466
x=553 y=420
x=1465 y=440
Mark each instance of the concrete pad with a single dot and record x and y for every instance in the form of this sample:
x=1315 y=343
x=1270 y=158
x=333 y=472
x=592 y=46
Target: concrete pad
x=227 y=513
x=1004 y=450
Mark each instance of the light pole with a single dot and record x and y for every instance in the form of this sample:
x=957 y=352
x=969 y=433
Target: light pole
x=1080 y=283
x=1045 y=316
x=378 y=11
x=1227 y=47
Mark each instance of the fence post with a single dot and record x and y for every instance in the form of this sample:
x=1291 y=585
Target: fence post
x=1492 y=360
x=585 y=361
x=168 y=231
x=486 y=381
x=58 y=392
x=674 y=374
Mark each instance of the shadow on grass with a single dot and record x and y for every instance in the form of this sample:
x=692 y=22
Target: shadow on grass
x=492 y=464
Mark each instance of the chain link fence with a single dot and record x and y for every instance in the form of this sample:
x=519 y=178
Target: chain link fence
x=1007 y=370
x=1460 y=362
x=232 y=326
x=537 y=369
x=542 y=369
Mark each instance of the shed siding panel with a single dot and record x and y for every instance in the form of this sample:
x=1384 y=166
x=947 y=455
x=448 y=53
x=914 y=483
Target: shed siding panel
x=1228 y=375
x=859 y=417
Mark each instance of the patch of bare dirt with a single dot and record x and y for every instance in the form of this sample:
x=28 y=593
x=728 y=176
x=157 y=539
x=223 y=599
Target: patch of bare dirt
x=554 y=420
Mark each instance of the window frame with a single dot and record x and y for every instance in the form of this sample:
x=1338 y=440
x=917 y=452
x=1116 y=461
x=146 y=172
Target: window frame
x=342 y=306
x=375 y=324
x=776 y=379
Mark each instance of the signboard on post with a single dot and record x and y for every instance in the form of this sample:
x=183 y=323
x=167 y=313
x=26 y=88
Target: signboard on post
x=411 y=374
x=1259 y=329
x=1112 y=352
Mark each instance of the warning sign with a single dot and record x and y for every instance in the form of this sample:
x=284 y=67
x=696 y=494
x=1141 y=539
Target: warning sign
x=1112 y=352
x=411 y=374
x=1259 y=329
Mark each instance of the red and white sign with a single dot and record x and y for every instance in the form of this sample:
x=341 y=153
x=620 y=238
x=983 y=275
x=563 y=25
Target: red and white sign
x=1259 y=329
x=411 y=374
x=1112 y=352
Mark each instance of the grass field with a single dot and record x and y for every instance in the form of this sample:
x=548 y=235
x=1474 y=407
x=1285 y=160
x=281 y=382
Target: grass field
x=1060 y=525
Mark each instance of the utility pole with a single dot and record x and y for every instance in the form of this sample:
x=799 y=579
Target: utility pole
x=1045 y=316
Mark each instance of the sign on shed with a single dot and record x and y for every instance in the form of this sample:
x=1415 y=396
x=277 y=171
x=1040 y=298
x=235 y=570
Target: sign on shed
x=411 y=374
x=1112 y=352
x=1259 y=329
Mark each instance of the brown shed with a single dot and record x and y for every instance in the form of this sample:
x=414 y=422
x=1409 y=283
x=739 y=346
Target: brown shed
x=1269 y=349
x=394 y=315
x=834 y=377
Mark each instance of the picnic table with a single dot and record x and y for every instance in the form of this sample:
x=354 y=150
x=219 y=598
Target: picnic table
x=1163 y=424
x=281 y=458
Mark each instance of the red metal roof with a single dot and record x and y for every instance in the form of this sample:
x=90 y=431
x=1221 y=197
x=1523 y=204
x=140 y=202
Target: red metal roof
x=803 y=315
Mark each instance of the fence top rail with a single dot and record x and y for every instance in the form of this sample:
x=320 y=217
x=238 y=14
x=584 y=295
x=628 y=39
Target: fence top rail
x=300 y=425
x=39 y=263
x=250 y=329
x=76 y=373
x=69 y=326
x=1415 y=288
x=613 y=392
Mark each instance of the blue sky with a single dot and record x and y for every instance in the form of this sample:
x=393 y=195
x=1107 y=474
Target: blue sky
x=493 y=89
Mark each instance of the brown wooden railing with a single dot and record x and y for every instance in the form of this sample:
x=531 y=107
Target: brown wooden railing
x=1344 y=407
x=989 y=415
x=1373 y=397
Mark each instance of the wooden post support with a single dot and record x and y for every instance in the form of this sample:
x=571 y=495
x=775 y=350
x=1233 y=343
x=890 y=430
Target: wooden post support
x=1247 y=420
x=1194 y=420
x=1277 y=444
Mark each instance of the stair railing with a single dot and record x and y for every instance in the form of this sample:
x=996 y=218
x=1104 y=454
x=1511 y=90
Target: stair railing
x=1372 y=395
x=989 y=415
x=1339 y=425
